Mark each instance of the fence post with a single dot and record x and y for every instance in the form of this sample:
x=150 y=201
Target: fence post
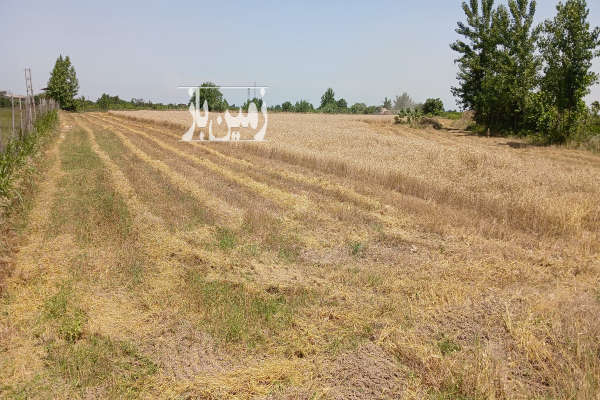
x=12 y=112
x=20 y=118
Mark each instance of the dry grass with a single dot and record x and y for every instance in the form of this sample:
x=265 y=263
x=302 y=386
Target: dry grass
x=345 y=258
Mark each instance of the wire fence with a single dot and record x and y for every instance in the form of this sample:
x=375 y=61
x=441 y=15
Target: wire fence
x=18 y=115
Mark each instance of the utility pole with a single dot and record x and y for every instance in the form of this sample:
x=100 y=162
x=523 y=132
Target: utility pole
x=30 y=91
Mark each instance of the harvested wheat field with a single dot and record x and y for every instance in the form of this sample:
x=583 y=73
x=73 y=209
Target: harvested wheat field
x=345 y=258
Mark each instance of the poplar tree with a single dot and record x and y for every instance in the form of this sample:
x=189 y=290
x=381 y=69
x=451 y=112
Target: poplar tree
x=63 y=84
x=568 y=45
x=476 y=60
x=519 y=64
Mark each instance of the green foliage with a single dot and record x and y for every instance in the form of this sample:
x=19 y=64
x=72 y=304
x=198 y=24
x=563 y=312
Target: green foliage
x=387 y=103
x=342 y=105
x=408 y=116
x=213 y=97
x=358 y=108
x=69 y=319
x=447 y=346
x=357 y=249
x=403 y=102
x=18 y=150
x=371 y=110
x=104 y=102
x=452 y=114
x=63 y=84
x=499 y=67
x=303 y=106
x=433 y=106
x=235 y=313
x=475 y=54
x=329 y=108
x=98 y=360
x=107 y=102
x=226 y=239
x=287 y=107
x=328 y=99
x=568 y=46
x=258 y=102
x=595 y=108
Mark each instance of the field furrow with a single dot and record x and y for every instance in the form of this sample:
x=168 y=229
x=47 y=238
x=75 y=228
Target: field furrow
x=501 y=198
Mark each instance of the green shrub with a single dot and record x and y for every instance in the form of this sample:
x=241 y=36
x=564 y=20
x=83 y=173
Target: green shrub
x=18 y=150
x=358 y=108
x=433 y=107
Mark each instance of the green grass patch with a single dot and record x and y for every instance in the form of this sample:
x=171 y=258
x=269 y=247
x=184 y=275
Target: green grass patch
x=357 y=249
x=447 y=346
x=86 y=205
x=34 y=388
x=286 y=245
x=455 y=115
x=68 y=318
x=114 y=368
x=226 y=238
x=235 y=313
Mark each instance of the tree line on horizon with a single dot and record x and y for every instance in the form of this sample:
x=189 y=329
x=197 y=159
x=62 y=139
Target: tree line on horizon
x=63 y=86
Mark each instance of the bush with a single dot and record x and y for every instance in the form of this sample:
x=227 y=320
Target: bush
x=358 y=108
x=416 y=119
x=287 y=107
x=433 y=107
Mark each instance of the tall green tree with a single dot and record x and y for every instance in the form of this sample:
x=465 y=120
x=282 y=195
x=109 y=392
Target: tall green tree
x=63 y=84
x=517 y=61
x=477 y=60
x=328 y=98
x=214 y=98
x=387 y=103
x=287 y=106
x=403 y=102
x=568 y=46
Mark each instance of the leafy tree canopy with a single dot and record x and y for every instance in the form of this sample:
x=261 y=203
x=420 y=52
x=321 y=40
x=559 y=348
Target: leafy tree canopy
x=63 y=84
x=212 y=95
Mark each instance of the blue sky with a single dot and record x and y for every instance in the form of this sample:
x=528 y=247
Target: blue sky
x=364 y=50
